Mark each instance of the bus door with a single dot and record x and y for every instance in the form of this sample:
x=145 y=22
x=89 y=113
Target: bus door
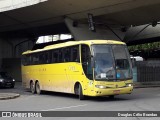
x=87 y=68
x=72 y=71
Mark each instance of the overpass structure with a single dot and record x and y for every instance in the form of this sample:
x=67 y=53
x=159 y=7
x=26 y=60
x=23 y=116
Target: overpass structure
x=38 y=17
x=23 y=21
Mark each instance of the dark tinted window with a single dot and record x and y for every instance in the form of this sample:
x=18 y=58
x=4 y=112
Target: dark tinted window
x=35 y=59
x=68 y=54
x=86 y=61
x=75 y=54
x=42 y=58
x=4 y=75
x=24 y=60
x=48 y=57
x=55 y=54
x=60 y=55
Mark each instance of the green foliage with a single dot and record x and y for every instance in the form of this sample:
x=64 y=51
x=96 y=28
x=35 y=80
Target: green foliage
x=146 y=46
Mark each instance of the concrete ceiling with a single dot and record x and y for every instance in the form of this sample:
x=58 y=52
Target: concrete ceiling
x=119 y=12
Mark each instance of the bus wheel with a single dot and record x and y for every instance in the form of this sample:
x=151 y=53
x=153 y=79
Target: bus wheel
x=111 y=97
x=80 y=91
x=38 y=90
x=32 y=87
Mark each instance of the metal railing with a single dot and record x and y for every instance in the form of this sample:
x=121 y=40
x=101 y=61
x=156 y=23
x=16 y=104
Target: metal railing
x=148 y=71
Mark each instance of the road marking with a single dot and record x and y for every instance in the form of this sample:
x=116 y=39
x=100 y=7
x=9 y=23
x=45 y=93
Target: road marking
x=65 y=107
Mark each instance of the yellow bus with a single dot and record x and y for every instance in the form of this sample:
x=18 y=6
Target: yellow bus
x=84 y=68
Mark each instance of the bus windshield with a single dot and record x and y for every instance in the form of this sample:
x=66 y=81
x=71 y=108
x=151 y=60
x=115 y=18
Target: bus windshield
x=111 y=62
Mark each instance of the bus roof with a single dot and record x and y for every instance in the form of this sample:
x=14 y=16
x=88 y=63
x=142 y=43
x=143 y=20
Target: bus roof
x=71 y=43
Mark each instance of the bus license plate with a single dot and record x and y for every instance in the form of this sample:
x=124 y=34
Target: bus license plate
x=116 y=91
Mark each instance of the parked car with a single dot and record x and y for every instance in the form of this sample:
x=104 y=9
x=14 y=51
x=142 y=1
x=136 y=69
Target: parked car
x=6 y=80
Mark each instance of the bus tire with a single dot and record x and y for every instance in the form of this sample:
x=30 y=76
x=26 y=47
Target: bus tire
x=80 y=91
x=32 y=87
x=38 y=90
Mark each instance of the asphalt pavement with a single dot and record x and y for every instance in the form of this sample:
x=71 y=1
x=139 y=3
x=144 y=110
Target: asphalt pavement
x=8 y=93
x=142 y=99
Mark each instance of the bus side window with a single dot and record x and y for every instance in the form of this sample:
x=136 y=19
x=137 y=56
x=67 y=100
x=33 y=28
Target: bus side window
x=35 y=59
x=30 y=60
x=24 y=60
x=42 y=58
x=60 y=55
x=48 y=57
x=55 y=56
x=45 y=56
x=27 y=59
x=67 y=55
x=75 y=54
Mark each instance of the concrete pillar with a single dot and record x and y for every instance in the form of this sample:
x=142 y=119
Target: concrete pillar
x=6 y=50
x=82 y=32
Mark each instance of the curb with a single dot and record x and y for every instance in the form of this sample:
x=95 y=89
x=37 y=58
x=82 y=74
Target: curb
x=6 y=96
x=146 y=84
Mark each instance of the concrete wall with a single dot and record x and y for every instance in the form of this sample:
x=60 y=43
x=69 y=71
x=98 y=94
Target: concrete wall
x=10 y=55
x=21 y=45
x=6 y=50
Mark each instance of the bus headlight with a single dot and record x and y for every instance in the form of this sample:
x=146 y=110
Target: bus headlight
x=129 y=84
x=1 y=80
x=13 y=80
x=100 y=86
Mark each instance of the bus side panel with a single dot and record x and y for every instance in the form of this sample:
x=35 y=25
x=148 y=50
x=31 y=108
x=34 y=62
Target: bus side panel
x=57 y=76
x=74 y=74
x=60 y=77
x=29 y=73
x=24 y=77
x=65 y=75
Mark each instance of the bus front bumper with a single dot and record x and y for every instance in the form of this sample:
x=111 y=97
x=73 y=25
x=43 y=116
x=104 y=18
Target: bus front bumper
x=111 y=91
